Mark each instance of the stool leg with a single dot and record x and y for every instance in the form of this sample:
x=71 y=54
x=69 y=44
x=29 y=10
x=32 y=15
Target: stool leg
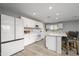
x=73 y=45
x=77 y=48
x=70 y=46
x=67 y=48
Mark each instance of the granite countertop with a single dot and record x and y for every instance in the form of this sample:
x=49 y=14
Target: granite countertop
x=55 y=34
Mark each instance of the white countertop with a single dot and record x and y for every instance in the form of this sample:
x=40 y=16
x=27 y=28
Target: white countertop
x=55 y=34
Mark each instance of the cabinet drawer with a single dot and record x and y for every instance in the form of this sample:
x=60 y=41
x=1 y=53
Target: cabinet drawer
x=11 y=47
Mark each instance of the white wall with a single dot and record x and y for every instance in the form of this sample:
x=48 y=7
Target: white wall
x=32 y=37
x=71 y=26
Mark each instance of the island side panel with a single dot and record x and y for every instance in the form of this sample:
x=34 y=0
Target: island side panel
x=59 y=44
x=51 y=42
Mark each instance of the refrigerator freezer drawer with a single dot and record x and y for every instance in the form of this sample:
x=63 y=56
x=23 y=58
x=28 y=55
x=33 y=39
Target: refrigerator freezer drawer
x=12 y=47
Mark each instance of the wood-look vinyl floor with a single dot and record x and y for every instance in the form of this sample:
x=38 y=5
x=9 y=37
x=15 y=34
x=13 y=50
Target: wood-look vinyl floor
x=39 y=49
x=36 y=49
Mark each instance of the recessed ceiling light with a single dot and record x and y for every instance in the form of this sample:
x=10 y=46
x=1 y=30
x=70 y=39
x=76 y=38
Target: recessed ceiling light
x=57 y=14
x=50 y=7
x=57 y=18
x=34 y=13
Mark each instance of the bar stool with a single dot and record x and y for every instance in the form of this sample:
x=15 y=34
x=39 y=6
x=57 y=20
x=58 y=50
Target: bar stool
x=71 y=39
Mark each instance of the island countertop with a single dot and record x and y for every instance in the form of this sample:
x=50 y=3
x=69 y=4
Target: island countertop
x=55 y=34
x=54 y=41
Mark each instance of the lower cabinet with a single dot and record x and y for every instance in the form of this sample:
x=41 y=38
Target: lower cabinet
x=54 y=43
x=10 y=48
x=51 y=43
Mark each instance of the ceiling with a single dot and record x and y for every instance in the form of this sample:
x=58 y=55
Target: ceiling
x=45 y=12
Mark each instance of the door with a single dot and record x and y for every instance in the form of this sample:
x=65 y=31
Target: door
x=7 y=28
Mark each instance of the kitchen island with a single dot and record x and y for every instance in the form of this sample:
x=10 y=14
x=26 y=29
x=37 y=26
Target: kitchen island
x=54 y=41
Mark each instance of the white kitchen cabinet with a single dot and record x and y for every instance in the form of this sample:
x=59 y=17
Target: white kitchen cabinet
x=11 y=35
x=29 y=39
x=19 y=28
x=7 y=28
x=38 y=37
x=28 y=22
x=26 y=39
x=54 y=41
x=12 y=47
x=60 y=25
x=48 y=27
x=31 y=24
x=41 y=25
x=51 y=43
x=57 y=26
x=33 y=36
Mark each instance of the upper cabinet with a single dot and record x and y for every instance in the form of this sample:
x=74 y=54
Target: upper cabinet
x=7 y=28
x=48 y=26
x=60 y=25
x=28 y=22
x=19 y=28
x=32 y=23
x=54 y=26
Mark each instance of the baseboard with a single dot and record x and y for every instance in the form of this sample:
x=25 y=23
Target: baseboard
x=16 y=53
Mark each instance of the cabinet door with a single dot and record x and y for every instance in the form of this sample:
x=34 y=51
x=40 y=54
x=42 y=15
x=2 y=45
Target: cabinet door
x=47 y=26
x=19 y=28
x=7 y=28
x=51 y=43
x=60 y=26
x=31 y=24
x=26 y=39
x=28 y=23
x=50 y=27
